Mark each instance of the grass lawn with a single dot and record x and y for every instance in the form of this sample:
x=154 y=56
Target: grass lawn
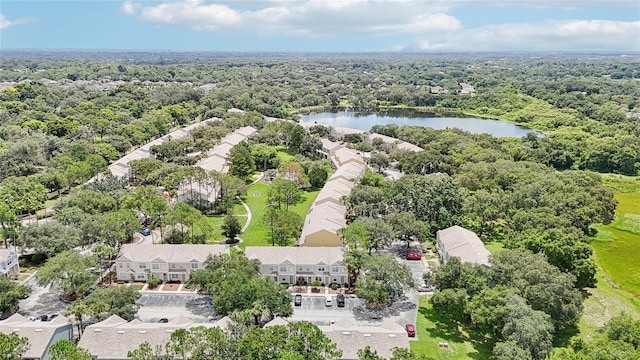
x=494 y=247
x=257 y=233
x=433 y=328
x=617 y=245
x=284 y=155
x=215 y=222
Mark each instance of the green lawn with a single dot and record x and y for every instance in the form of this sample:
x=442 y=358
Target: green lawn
x=284 y=155
x=257 y=233
x=494 y=247
x=617 y=245
x=215 y=222
x=433 y=328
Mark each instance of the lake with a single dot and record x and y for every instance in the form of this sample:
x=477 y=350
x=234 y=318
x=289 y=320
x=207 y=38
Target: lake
x=364 y=120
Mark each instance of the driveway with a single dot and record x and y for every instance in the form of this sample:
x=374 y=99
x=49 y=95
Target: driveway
x=42 y=301
x=154 y=238
x=153 y=307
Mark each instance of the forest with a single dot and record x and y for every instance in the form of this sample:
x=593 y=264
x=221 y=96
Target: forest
x=64 y=119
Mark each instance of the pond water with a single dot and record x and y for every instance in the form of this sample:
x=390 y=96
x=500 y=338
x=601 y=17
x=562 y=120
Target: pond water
x=364 y=120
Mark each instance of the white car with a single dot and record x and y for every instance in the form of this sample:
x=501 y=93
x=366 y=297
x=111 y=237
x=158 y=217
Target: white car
x=328 y=302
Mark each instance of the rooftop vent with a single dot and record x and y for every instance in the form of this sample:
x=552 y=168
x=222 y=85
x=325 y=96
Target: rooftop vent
x=120 y=331
x=97 y=330
x=142 y=332
x=37 y=330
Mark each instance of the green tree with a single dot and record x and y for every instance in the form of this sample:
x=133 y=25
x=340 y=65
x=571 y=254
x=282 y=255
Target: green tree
x=68 y=271
x=283 y=193
x=49 y=238
x=231 y=226
x=78 y=310
x=368 y=354
x=118 y=301
x=9 y=222
x=12 y=346
x=283 y=225
x=452 y=303
x=382 y=279
x=241 y=160
x=318 y=177
x=10 y=293
x=68 y=350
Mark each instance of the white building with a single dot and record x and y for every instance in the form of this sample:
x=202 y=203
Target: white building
x=9 y=263
x=301 y=265
x=168 y=262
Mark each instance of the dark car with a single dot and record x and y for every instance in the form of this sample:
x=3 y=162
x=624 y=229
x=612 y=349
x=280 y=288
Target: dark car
x=297 y=300
x=340 y=300
x=413 y=256
x=411 y=330
x=145 y=231
x=163 y=320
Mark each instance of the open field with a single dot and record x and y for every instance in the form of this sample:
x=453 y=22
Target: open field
x=433 y=328
x=617 y=245
x=257 y=233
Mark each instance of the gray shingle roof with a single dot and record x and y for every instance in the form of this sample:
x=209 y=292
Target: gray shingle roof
x=39 y=333
x=463 y=244
x=114 y=337
x=295 y=254
x=169 y=252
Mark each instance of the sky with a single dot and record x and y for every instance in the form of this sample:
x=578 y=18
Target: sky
x=323 y=25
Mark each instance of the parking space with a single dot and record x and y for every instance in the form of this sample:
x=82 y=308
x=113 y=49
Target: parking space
x=153 y=307
x=314 y=309
x=42 y=301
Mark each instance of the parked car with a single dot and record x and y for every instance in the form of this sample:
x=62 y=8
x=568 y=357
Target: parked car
x=145 y=231
x=411 y=330
x=328 y=302
x=340 y=300
x=297 y=300
x=413 y=256
x=163 y=320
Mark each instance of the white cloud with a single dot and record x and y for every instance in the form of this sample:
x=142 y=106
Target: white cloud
x=552 y=35
x=128 y=7
x=308 y=18
x=5 y=23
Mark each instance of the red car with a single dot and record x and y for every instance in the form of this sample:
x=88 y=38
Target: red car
x=413 y=256
x=411 y=330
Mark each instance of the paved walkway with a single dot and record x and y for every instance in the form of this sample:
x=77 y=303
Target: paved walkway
x=246 y=207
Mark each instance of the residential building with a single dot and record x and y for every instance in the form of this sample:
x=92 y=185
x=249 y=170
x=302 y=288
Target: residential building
x=466 y=89
x=327 y=214
x=350 y=337
x=41 y=334
x=168 y=262
x=399 y=144
x=301 y=265
x=9 y=263
x=114 y=337
x=456 y=241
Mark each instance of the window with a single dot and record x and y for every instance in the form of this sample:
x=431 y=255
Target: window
x=155 y=266
x=143 y=266
x=283 y=269
x=335 y=269
x=172 y=266
x=140 y=276
x=321 y=268
x=120 y=266
x=174 y=276
x=194 y=265
x=318 y=278
x=128 y=266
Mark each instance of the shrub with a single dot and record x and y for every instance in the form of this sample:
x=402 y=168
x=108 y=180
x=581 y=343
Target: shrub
x=153 y=281
x=335 y=286
x=316 y=283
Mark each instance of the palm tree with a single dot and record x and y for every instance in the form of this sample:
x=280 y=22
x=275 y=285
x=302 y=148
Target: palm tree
x=78 y=310
x=259 y=310
x=98 y=309
x=104 y=252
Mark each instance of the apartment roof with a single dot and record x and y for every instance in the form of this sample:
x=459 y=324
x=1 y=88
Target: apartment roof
x=39 y=333
x=344 y=155
x=213 y=162
x=169 y=252
x=233 y=138
x=119 y=169
x=463 y=244
x=327 y=216
x=403 y=145
x=277 y=321
x=341 y=130
x=114 y=337
x=295 y=254
x=350 y=171
x=4 y=253
x=334 y=190
x=246 y=131
x=329 y=146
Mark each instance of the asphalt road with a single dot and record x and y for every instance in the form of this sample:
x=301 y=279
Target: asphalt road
x=42 y=301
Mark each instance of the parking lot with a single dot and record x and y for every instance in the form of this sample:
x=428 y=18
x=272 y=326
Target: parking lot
x=153 y=307
x=42 y=301
x=313 y=309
